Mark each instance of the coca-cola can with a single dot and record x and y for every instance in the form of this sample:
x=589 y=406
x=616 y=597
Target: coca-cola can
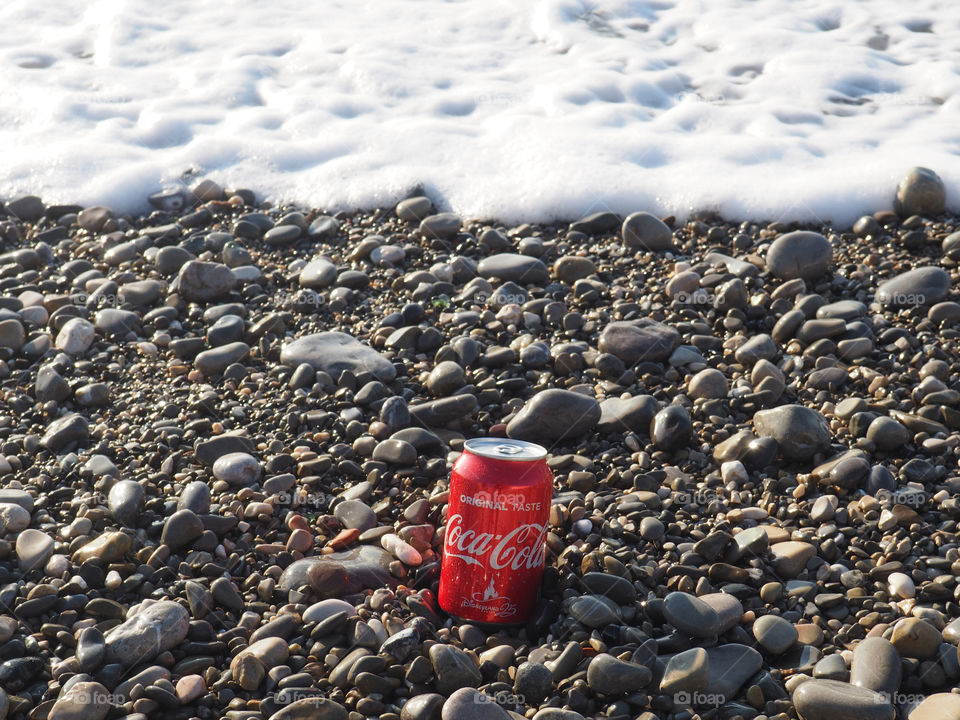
x=497 y=520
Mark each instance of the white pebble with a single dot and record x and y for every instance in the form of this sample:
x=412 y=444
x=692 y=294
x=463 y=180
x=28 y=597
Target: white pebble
x=583 y=527
x=733 y=471
x=57 y=565
x=76 y=336
x=902 y=585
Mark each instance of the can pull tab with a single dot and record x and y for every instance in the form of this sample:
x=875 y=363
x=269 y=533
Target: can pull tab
x=506 y=449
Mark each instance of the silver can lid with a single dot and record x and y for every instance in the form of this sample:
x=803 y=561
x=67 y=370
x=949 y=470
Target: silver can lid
x=504 y=449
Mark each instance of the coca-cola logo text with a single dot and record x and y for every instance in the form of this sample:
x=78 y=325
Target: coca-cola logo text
x=522 y=547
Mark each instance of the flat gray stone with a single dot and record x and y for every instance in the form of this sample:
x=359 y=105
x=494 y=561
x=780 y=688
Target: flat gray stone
x=334 y=352
x=159 y=627
x=200 y=281
x=641 y=340
x=876 y=666
x=687 y=671
x=554 y=414
x=454 y=669
x=610 y=676
x=65 y=431
x=521 y=269
x=920 y=286
x=921 y=192
x=774 y=634
x=626 y=415
x=218 y=359
x=801 y=432
x=690 y=615
x=834 y=700
x=799 y=254
x=731 y=666
x=645 y=231
x=318 y=273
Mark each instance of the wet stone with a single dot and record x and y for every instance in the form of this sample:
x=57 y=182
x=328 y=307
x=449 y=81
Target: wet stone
x=832 y=700
x=688 y=671
x=639 y=341
x=876 y=666
x=454 y=669
x=554 y=414
x=161 y=626
x=774 y=634
x=609 y=676
x=799 y=254
x=799 y=431
x=690 y=615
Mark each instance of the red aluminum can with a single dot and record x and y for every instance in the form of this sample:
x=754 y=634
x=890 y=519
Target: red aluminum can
x=497 y=520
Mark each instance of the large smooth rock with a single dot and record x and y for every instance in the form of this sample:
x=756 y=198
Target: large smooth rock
x=791 y=557
x=553 y=414
x=76 y=336
x=774 y=634
x=876 y=666
x=218 y=359
x=238 y=469
x=33 y=548
x=521 y=269
x=313 y=708
x=200 y=281
x=333 y=352
x=441 y=225
x=154 y=629
x=671 y=428
x=627 y=414
x=920 y=286
x=799 y=431
x=731 y=666
x=916 y=638
x=454 y=668
x=637 y=341
x=921 y=192
x=63 y=431
x=82 y=701
x=471 y=704
x=352 y=570
x=318 y=273
x=939 y=706
x=109 y=547
x=610 y=676
x=439 y=413
x=690 y=615
x=835 y=700
x=799 y=254
x=645 y=231
x=688 y=671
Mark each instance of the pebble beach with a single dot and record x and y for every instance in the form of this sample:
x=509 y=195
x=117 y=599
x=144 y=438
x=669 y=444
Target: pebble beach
x=227 y=430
